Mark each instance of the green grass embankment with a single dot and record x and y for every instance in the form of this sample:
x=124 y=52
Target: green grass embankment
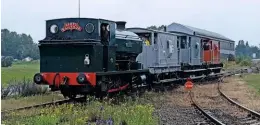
x=19 y=71
x=253 y=80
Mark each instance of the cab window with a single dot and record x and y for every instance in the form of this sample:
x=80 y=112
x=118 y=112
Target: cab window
x=145 y=38
x=206 y=46
x=183 y=42
x=145 y=41
x=105 y=33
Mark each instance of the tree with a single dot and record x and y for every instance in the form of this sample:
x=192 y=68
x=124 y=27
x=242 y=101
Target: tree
x=156 y=28
x=245 y=50
x=19 y=46
x=247 y=45
x=7 y=61
x=241 y=42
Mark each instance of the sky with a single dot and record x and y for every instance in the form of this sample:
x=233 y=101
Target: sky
x=235 y=19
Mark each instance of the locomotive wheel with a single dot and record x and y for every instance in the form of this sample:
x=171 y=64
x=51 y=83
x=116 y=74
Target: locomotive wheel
x=100 y=95
x=66 y=92
x=72 y=96
x=69 y=95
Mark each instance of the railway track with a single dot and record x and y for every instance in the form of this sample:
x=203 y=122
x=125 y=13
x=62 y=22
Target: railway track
x=252 y=117
x=210 y=119
x=57 y=102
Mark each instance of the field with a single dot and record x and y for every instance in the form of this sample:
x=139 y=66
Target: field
x=19 y=71
x=253 y=80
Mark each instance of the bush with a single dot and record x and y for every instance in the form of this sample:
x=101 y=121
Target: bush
x=243 y=61
x=22 y=88
x=231 y=57
x=239 y=59
x=7 y=61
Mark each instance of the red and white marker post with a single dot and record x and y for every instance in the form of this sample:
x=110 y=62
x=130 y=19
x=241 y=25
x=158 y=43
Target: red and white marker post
x=188 y=85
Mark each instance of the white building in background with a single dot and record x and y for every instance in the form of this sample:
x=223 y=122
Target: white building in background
x=254 y=55
x=27 y=59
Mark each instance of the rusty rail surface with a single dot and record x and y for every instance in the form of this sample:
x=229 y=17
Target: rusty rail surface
x=57 y=102
x=204 y=112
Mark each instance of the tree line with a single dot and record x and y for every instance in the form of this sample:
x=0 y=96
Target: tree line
x=18 y=46
x=243 y=49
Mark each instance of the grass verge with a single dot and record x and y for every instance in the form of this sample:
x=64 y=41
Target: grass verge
x=13 y=103
x=253 y=80
x=22 y=89
x=94 y=112
x=19 y=71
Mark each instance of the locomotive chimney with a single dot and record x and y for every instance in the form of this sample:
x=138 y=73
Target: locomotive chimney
x=120 y=25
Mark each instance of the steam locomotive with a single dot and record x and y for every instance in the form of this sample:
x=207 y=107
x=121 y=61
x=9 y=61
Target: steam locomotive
x=81 y=56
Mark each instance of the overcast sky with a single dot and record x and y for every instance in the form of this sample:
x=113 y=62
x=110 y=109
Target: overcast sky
x=235 y=19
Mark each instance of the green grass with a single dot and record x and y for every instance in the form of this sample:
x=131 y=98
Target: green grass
x=12 y=103
x=130 y=112
x=253 y=80
x=19 y=71
x=232 y=65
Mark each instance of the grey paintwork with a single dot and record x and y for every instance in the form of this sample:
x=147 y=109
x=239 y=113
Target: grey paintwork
x=158 y=56
x=185 y=55
x=166 y=50
x=222 y=51
x=192 y=53
x=227 y=45
x=162 y=54
x=196 y=51
x=176 y=27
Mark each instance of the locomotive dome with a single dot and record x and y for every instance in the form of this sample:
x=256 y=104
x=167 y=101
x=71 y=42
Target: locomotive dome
x=122 y=33
x=126 y=35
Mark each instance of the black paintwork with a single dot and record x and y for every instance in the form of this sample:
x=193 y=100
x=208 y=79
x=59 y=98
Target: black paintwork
x=65 y=51
x=70 y=58
x=129 y=46
x=111 y=60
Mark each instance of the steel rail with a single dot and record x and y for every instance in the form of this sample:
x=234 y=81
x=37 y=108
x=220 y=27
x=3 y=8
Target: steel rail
x=237 y=104
x=210 y=117
x=58 y=102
